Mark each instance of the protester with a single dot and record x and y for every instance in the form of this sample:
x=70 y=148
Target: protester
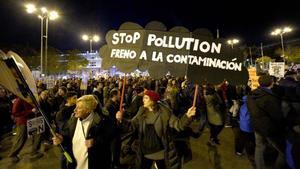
x=112 y=107
x=215 y=113
x=87 y=137
x=66 y=110
x=268 y=123
x=151 y=124
x=21 y=111
x=246 y=138
x=47 y=109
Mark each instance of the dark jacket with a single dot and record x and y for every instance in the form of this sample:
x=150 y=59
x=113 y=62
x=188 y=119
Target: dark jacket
x=134 y=106
x=166 y=120
x=112 y=108
x=266 y=113
x=99 y=95
x=63 y=115
x=291 y=89
x=5 y=112
x=46 y=107
x=99 y=155
x=215 y=109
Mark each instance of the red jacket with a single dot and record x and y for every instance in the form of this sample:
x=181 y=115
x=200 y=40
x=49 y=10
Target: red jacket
x=20 y=111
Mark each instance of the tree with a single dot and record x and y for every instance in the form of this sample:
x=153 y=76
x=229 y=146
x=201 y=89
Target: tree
x=264 y=59
x=291 y=54
x=75 y=61
x=55 y=61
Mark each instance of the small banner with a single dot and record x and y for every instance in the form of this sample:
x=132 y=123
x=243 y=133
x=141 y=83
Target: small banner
x=276 y=69
x=35 y=126
x=253 y=78
x=84 y=82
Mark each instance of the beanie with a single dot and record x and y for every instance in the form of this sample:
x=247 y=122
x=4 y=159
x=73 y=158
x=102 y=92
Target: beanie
x=152 y=95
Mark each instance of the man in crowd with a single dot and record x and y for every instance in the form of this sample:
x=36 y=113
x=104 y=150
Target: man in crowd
x=268 y=123
x=21 y=111
x=87 y=137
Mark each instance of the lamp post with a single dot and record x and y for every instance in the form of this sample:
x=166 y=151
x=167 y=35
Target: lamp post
x=94 y=38
x=280 y=32
x=44 y=15
x=232 y=42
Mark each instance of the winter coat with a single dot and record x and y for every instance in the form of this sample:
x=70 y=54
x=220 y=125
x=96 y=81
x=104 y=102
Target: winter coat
x=5 y=112
x=20 y=111
x=99 y=155
x=215 y=112
x=245 y=121
x=291 y=89
x=63 y=115
x=134 y=106
x=266 y=113
x=165 y=121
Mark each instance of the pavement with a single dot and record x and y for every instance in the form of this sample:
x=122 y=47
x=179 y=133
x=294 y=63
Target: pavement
x=205 y=156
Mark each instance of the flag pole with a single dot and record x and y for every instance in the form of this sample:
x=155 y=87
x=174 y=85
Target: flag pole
x=195 y=95
x=122 y=95
x=11 y=64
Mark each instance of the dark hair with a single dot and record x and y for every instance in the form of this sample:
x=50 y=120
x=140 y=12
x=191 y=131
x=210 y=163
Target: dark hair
x=63 y=88
x=113 y=92
x=139 y=89
x=265 y=80
x=210 y=90
x=71 y=94
x=290 y=73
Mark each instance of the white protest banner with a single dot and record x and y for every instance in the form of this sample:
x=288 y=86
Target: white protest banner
x=50 y=82
x=276 y=69
x=84 y=82
x=35 y=126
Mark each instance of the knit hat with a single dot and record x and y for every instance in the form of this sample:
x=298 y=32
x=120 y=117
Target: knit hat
x=152 y=95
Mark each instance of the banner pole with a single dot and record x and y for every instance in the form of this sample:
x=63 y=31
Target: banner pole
x=195 y=94
x=122 y=95
x=11 y=63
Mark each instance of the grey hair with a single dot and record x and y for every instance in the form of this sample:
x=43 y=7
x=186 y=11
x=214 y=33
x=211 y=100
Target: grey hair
x=90 y=101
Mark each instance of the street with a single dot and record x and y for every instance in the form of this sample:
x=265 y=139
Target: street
x=205 y=156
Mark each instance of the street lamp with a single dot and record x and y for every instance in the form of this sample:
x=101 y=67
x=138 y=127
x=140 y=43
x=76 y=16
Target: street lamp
x=94 y=38
x=44 y=15
x=232 y=42
x=281 y=31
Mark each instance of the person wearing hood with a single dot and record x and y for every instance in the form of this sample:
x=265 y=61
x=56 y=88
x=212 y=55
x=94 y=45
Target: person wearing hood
x=268 y=123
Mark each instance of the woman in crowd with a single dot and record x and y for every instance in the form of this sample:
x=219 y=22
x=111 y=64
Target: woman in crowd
x=152 y=127
x=215 y=113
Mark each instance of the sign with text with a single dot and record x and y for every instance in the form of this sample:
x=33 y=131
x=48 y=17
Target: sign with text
x=180 y=53
x=35 y=126
x=253 y=78
x=276 y=69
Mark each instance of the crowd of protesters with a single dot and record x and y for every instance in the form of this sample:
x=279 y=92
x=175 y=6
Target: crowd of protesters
x=155 y=115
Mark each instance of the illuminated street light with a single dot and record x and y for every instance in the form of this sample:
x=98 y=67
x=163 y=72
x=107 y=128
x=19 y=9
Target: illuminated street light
x=92 y=39
x=232 y=42
x=281 y=31
x=44 y=15
x=30 y=8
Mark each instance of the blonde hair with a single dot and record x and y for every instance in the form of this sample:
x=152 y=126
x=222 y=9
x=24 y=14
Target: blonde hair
x=90 y=101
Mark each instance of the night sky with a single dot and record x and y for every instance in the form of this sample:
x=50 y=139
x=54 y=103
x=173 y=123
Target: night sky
x=251 y=21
